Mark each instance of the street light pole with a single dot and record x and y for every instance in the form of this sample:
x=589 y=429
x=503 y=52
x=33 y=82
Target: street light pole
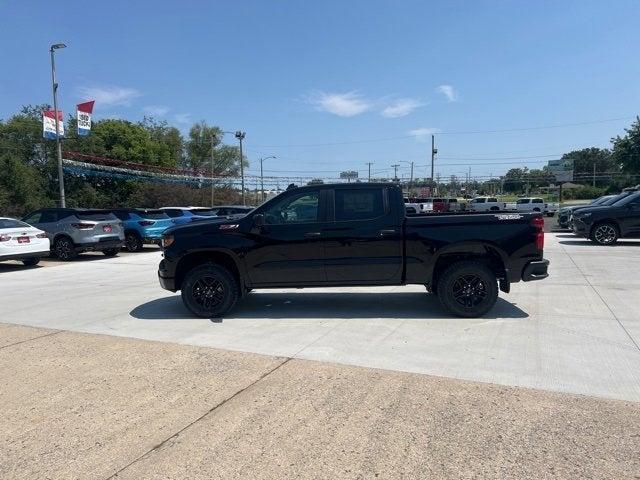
x=212 y=151
x=55 y=113
x=240 y=136
x=262 y=176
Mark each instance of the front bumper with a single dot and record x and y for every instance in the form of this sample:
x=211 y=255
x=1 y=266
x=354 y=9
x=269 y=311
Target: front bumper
x=536 y=270
x=166 y=277
x=579 y=228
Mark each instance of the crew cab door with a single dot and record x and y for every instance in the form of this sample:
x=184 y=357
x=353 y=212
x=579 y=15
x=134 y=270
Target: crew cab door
x=363 y=238
x=288 y=248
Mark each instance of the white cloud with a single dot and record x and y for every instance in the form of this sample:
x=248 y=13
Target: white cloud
x=421 y=134
x=449 y=92
x=347 y=104
x=156 y=110
x=401 y=107
x=182 y=118
x=110 y=96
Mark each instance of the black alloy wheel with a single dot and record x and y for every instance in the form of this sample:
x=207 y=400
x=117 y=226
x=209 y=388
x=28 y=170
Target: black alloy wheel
x=467 y=288
x=133 y=242
x=210 y=291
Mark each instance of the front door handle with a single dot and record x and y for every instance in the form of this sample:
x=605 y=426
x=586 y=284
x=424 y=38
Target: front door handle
x=312 y=234
x=386 y=233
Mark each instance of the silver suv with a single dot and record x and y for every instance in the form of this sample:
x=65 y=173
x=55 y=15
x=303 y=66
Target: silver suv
x=73 y=230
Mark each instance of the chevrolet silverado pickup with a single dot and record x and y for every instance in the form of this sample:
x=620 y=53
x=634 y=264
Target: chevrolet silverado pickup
x=352 y=235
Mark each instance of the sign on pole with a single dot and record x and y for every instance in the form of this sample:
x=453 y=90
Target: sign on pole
x=84 y=111
x=562 y=170
x=49 y=124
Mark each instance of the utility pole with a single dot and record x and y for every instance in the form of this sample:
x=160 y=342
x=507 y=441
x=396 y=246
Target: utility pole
x=212 y=150
x=240 y=136
x=395 y=172
x=369 y=164
x=262 y=176
x=55 y=113
x=433 y=154
x=594 y=174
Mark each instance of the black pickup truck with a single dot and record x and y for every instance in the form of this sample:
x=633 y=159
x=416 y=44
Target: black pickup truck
x=347 y=235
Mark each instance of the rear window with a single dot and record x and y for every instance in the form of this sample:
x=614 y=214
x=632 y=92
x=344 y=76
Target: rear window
x=173 y=212
x=360 y=204
x=10 y=223
x=206 y=212
x=152 y=214
x=95 y=216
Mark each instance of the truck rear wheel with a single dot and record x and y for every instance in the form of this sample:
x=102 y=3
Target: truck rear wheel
x=468 y=289
x=209 y=291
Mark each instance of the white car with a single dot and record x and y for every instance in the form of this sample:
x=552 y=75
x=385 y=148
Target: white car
x=486 y=204
x=21 y=241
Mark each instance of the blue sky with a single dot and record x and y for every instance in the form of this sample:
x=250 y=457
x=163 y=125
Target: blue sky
x=299 y=75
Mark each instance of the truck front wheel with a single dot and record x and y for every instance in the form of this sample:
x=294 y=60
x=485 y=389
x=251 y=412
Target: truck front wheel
x=209 y=291
x=468 y=289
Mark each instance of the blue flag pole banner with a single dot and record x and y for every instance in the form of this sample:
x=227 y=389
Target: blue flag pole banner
x=49 y=124
x=84 y=111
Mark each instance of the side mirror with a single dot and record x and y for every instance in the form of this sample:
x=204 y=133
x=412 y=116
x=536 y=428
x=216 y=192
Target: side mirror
x=258 y=220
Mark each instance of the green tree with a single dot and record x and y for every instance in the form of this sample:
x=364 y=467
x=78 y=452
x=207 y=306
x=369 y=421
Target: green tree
x=626 y=149
x=585 y=159
x=202 y=138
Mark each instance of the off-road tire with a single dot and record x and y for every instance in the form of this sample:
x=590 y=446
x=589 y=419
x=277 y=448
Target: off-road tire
x=210 y=291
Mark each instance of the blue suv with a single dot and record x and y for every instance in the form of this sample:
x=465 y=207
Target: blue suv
x=142 y=226
x=182 y=215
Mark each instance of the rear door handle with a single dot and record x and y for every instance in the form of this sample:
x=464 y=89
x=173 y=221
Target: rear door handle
x=312 y=234
x=386 y=233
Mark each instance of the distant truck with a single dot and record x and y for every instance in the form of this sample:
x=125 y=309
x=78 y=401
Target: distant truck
x=352 y=235
x=486 y=204
x=534 y=204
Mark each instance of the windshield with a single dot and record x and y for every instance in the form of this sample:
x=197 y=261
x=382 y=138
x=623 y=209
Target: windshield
x=627 y=199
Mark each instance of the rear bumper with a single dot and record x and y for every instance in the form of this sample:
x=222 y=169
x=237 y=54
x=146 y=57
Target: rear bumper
x=536 y=270
x=104 y=244
x=21 y=256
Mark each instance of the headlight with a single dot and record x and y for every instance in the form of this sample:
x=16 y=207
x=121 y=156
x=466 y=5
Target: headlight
x=167 y=241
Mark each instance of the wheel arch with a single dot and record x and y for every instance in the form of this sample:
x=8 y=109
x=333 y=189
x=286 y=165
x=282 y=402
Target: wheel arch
x=599 y=222
x=490 y=255
x=218 y=257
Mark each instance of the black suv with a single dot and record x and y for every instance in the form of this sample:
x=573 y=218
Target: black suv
x=605 y=224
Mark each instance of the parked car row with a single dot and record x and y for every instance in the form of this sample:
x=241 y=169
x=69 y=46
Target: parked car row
x=480 y=204
x=67 y=232
x=605 y=219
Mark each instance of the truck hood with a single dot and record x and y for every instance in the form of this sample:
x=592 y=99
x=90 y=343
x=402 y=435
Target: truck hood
x=198 y=226
x=595 y=209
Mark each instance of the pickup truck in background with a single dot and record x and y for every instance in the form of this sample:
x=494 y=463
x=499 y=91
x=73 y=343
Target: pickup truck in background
x=534 y=204
x=486 y=204
x=352 y=235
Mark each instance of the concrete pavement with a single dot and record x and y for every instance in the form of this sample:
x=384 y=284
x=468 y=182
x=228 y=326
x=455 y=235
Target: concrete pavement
x=574 y=332
x=100 y=407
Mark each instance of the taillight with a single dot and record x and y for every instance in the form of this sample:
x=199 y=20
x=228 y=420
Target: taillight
x=41 y=235
x=83 y=226
x=4 y=237
x=538 y=224
x=145 y=223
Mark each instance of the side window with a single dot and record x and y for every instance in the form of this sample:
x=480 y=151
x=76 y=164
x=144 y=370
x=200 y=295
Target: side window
x=359 y=204
x=222 y=212
x=49 y=217
x=482 y=200
x=301 y=208
x=33 y=218
x=537 y=200
x=522 y=201
x=493 y=200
